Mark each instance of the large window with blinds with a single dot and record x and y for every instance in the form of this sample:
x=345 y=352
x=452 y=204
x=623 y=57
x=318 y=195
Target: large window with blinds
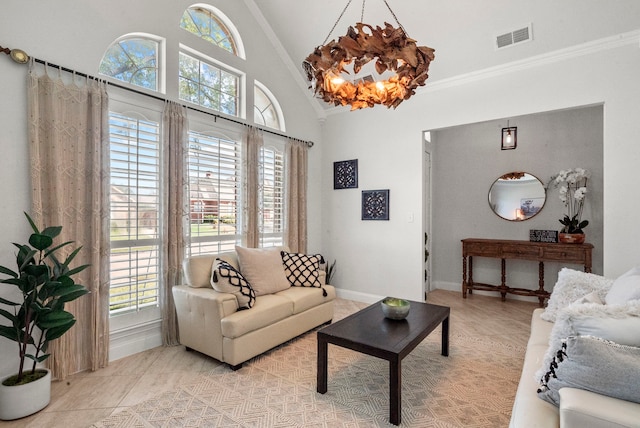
x=272 y=197
x=215 y=197
x=214 y=165
x=135 y=213
x=214 y=194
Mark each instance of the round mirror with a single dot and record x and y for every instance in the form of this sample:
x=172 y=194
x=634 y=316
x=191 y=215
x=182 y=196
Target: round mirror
x=517 y=196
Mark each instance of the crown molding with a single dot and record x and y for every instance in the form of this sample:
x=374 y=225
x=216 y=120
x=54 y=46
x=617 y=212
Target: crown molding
x=588 y=48
x=284 y=55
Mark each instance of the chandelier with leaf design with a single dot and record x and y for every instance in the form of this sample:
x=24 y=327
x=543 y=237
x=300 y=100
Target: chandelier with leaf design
x=401 y=65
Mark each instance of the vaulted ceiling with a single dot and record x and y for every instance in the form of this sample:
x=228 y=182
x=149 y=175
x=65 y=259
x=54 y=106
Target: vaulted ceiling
x=462 y=32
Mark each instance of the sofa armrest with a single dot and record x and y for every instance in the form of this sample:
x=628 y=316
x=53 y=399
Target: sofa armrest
x=580 y=408
x=200 y=311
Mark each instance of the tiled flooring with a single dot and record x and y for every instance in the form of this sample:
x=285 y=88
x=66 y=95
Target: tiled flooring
x=86 y=398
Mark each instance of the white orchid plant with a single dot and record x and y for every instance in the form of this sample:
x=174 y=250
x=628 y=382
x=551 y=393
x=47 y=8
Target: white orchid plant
x=572 y=185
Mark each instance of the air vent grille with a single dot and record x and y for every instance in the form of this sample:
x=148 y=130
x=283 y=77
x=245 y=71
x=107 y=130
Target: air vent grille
x=513 y=37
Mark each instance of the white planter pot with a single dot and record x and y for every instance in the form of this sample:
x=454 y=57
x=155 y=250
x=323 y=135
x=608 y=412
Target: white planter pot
x=24 y=400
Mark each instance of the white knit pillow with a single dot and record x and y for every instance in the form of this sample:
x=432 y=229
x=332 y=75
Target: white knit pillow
x=571 y=286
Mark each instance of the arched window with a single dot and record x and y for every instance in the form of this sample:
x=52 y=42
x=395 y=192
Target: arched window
x=134 y=59
x=266 y=110
x=213 y=26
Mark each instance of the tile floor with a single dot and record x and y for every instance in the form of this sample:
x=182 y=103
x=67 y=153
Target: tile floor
x=85 y=398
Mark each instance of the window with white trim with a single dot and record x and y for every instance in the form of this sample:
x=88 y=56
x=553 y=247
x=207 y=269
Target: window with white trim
x=135 y=60
x=135 y=213
x=214 y=194
x=272 y=197
x=208 y=85
x=212 y=77
x=266 y=109
x=209 y=26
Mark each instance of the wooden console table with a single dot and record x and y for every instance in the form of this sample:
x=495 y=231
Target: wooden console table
x=521 y=250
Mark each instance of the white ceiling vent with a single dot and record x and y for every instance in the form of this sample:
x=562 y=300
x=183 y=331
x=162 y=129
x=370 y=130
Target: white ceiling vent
x=511 y=38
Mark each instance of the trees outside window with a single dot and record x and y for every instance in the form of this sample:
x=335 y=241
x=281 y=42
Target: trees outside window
x=133 y=60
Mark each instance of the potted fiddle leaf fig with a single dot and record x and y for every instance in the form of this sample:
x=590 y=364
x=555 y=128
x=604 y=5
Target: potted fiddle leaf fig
x=36 y=317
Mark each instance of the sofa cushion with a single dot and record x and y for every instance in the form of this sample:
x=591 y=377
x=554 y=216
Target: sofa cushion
x=263 y=269
x=302 y=270
x=540 y=330
x=596 y=365
x=227 y=279
x=267 y=310
x=304 y=298
x=571 y=286
x=625 y=288
x=580 y=408
x=618 y=323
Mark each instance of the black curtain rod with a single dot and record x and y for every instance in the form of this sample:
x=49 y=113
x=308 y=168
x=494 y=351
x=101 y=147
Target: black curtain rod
x=126 y=88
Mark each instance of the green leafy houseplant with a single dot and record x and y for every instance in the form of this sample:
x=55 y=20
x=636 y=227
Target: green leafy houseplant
x=331 y=269
x=46 y=285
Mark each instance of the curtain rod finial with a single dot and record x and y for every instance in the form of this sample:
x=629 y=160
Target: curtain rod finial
x=18 y=55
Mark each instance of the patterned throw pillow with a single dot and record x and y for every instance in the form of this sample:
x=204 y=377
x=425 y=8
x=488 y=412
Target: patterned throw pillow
x=226 y=279
x=302 y=270
x=596 y=365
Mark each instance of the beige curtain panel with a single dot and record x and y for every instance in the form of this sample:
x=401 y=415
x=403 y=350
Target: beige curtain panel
x=252 y=142
x=69 y=152
x=296 y=196
x=175 y=204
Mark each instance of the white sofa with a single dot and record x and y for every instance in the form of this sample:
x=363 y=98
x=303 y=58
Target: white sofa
x=210 y=322
x=578 y=408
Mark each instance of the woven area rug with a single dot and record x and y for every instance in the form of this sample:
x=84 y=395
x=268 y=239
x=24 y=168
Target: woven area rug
x=473 y=387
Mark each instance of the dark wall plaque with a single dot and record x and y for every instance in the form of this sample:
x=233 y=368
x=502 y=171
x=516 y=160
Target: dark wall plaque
x=543 y=235
x=345 y=174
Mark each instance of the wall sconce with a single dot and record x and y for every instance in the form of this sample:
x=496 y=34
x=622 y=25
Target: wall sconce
x=509 y=137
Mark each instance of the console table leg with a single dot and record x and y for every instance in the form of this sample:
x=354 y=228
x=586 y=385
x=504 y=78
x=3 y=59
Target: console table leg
x=464 y=277
x=503 y=283
x=470 y=282
x=395 y=391
x=541 y=293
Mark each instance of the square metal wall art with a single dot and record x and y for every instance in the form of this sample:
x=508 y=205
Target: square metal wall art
x=345 y=174
x=375 y=204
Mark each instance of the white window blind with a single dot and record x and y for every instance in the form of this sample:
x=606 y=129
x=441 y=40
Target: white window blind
x=214 y=193
x=135 y=213
x=272 y=197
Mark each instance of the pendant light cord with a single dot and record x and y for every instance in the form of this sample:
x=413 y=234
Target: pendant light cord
x=338 y=20
x=362 y=18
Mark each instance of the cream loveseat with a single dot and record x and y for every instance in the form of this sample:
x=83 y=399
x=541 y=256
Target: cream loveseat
x=595 y=323
x=212 y=322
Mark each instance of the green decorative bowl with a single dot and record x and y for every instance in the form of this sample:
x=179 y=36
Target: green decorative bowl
x=395 y=309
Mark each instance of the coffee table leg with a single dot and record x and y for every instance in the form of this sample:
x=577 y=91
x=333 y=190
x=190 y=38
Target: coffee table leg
x=322 y=366
x=445 y=337
x=395 y=391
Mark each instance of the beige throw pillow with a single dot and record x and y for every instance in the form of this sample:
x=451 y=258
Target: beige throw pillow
x=263 y=268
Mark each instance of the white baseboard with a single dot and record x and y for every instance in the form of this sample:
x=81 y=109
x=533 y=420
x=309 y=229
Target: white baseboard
x=357 y=296
x=126 y=342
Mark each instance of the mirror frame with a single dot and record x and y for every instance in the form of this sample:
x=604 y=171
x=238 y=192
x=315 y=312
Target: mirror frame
x=517 y=175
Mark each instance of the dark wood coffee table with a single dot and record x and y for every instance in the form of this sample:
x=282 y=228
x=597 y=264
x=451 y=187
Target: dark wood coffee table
x=369 y=332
